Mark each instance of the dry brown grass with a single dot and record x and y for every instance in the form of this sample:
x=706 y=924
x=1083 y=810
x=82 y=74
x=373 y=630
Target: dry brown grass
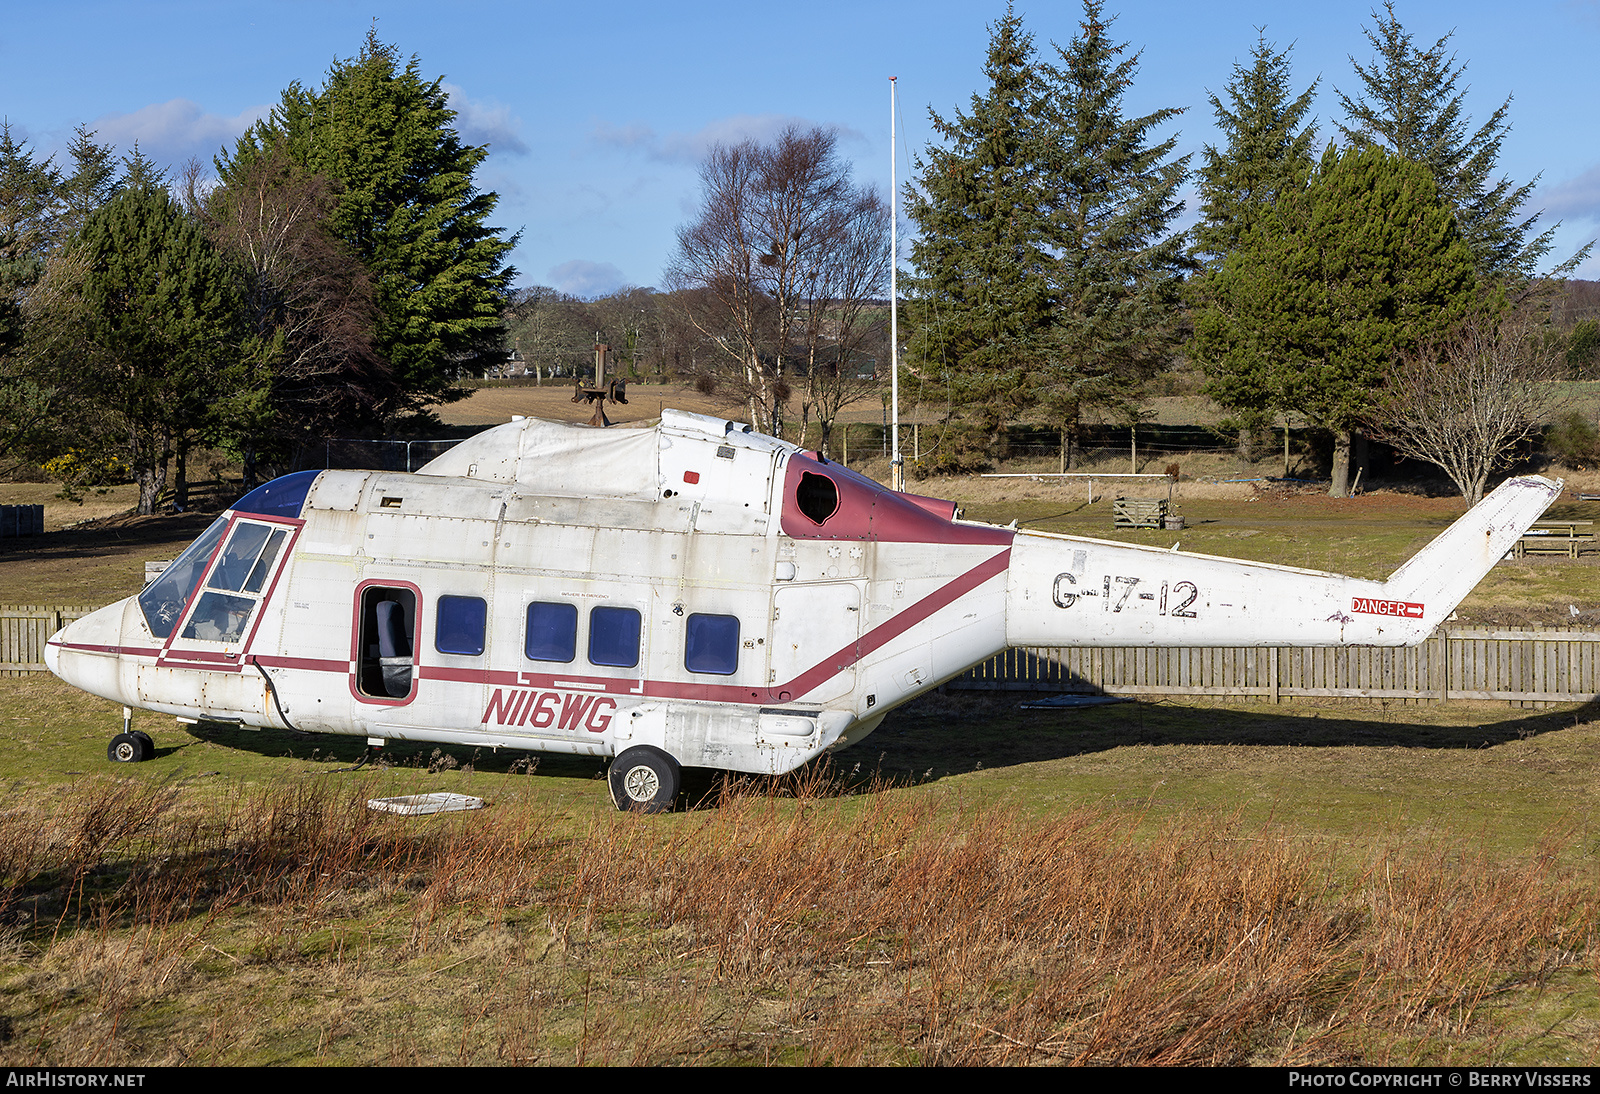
x=293 y=924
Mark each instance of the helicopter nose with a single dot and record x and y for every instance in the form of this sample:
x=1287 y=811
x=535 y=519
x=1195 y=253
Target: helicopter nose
x=85 y=653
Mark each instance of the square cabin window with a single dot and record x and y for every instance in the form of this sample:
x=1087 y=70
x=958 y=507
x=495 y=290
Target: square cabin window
x=552 y=632
x=614 y=637
x=711 y=644
x=459 y=625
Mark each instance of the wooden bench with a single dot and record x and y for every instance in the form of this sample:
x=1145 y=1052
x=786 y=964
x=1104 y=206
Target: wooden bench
x=1139 y=512
x=1555 y=537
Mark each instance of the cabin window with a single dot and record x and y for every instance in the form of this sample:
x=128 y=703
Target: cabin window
x=388 y=619
x=817 y=496
x=711 y=644
x=458 y=625
x=552 y=632
x=614 y=637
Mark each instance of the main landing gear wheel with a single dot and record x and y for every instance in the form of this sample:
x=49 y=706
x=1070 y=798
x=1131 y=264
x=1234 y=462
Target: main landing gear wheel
x=130 y=748
x=644 y=780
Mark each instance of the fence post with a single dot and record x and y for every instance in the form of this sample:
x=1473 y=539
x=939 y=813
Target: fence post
x=1441 y=645
x=1273 y=668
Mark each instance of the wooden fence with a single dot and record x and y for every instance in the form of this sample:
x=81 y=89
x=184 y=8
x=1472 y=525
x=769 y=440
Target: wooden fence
x=23 y=630
x=1523 y=666
x=1532 y=666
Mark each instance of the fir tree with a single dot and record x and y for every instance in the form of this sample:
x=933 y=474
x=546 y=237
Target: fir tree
x=1118 y=268
x=982 y=301
x=139 y=171
x=27 y=220
x=90 y=184
x=1409 y=103
x=408 y=209
x=1046 y=272
x=1270 y=147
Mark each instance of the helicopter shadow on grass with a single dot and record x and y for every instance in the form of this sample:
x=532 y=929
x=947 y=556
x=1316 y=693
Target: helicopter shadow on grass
x=959 y=731
x=338 y=754
x=952 y=732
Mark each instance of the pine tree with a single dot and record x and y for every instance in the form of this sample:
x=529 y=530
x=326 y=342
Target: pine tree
x=1329 y=286
x=159 y=311
x=1409 y=103
x=982 y=301
x=408 y=209
x=1118 y=268
x=1270 y=146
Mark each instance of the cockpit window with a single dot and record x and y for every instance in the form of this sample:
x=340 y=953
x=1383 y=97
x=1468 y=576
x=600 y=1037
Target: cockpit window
x=242 y=567
x=166 y=597
x=220 y=617
x=239 y=556
x=817 y=497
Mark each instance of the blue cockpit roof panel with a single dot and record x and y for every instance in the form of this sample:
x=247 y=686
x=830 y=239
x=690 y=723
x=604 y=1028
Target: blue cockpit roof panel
x=282 y=497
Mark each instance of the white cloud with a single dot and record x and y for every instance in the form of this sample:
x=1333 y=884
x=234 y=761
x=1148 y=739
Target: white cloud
x=173 y=131
x=1577 y=198
x=691 y=148
x=486 y=122
x=587 y=279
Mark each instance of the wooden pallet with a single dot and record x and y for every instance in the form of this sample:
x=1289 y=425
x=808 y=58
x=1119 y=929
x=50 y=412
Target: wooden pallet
x=1139 y=512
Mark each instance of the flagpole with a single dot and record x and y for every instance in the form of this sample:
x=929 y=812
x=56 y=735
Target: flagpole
x=897 y=473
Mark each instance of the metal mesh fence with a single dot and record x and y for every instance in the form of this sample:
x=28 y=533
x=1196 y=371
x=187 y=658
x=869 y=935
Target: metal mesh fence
x=369 y=455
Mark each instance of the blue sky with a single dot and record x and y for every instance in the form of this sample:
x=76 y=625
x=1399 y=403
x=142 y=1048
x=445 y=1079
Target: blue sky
x=598 y=115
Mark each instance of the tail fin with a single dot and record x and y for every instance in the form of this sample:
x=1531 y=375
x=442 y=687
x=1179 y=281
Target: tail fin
x=1446 y=570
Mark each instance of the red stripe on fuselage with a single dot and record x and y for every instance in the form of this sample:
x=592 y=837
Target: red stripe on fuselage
x=844 y=658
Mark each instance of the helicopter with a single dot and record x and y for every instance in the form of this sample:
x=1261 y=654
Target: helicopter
x=691 y=593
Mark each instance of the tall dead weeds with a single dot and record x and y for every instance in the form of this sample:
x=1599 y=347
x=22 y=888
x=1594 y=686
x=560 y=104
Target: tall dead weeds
x=789 y=929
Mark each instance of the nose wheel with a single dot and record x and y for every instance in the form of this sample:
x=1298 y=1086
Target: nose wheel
x=131 y=747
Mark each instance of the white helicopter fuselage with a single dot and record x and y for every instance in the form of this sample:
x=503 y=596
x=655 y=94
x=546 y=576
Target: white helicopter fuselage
x=693 y=587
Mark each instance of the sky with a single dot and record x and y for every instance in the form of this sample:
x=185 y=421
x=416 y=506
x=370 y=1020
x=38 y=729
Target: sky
x=598 y=115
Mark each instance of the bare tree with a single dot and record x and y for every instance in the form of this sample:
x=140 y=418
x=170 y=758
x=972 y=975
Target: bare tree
x=548 y=329
x=842 y=318
x=769 y=223
x=311 y=304
x=714 y=272
x=1464 y=402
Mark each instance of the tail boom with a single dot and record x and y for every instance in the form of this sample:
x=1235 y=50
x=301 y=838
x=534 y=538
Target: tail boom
x=1067 y=591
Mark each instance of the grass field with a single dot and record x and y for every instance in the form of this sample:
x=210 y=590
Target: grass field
x=1145 y=883
x=1153 y=882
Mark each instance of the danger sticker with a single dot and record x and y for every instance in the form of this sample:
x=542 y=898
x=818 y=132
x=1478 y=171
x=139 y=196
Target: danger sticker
x=1403 y=608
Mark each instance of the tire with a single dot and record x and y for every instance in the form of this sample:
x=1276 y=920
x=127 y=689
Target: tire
x=644 y=780
x=149 y=744
x=129 y=748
